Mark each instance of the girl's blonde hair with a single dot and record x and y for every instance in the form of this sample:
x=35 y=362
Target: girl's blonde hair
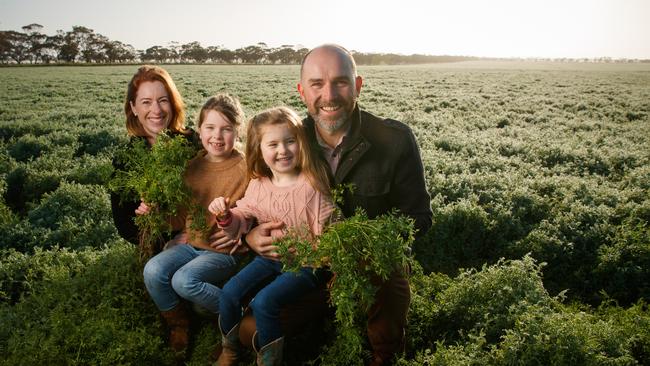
x=309 y=162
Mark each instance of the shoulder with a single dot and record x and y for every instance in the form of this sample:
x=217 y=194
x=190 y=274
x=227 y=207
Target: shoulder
x=370 y=121
x=385 y=131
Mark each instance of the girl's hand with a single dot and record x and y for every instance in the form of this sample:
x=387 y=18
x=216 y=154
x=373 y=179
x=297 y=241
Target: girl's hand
x=143 y=209
x=220 y=207
x=220 y=240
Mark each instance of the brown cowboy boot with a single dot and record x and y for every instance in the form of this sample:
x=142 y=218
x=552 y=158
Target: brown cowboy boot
x=230 y=346
x=178 y=324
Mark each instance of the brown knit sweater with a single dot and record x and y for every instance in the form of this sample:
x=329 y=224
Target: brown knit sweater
x=209 y=180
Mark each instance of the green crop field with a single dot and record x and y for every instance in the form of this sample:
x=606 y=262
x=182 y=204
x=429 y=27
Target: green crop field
x=539 y=175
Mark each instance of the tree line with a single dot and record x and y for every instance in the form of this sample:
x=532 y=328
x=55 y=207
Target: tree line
x=84 y=45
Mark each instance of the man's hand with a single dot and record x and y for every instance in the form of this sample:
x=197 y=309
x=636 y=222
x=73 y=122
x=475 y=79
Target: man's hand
x=260 y=240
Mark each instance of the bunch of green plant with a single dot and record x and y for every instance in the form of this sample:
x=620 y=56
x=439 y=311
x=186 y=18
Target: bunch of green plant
x=362 y=253
x=78 y=307
x=502 y=315
x=155 y=176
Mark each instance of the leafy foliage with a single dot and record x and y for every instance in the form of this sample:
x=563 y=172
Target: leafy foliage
x=85 y=307
x=155 y=175
x=362 y=253
x=73 y=216
x=550 y=159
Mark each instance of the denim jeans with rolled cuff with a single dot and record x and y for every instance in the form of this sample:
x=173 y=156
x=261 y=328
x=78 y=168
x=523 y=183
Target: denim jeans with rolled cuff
x=184 y=271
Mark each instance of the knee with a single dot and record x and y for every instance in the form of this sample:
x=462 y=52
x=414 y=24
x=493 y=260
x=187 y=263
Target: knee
x=265 y=304
x=154 y=273
x=183 y=282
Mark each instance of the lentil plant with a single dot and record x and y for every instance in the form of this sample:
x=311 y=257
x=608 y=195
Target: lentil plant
x=546 y=165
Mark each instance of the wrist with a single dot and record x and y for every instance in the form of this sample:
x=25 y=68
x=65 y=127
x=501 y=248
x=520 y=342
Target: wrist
x=224 y=219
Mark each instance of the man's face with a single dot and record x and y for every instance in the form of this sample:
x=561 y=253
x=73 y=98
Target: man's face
x=329 y=88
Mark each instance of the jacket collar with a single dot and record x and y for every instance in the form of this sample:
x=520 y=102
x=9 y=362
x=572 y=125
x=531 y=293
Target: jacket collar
x=354 y=145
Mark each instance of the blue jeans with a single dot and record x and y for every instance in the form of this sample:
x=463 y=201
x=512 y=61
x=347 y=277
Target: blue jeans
x=190 y=273
x=284 y=288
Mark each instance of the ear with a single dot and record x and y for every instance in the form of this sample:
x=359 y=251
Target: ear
x=301 y=91
x=133 y=108
x=358 y=82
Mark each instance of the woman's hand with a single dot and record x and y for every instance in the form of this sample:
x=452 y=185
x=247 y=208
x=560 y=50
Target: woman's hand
x=260 y=240
x=143 y=209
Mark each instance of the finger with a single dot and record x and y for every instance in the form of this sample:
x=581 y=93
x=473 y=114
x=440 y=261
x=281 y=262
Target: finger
x=273 y=225
x=223 y=245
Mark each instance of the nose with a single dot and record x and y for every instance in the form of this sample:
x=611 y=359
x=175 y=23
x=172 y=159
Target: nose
x=329 y=92
x=282 y=148
x=155 y=107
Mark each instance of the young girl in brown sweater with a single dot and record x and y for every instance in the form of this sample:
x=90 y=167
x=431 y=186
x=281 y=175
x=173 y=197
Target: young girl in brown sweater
x=193 y=269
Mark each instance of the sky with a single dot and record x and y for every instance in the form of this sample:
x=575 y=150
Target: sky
x=484 y=28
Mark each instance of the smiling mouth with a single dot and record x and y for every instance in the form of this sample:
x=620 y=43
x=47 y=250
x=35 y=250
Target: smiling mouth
x=157 y=120
x=330 y=108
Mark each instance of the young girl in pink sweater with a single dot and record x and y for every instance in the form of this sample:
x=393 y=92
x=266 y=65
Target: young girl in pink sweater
x=289 y=184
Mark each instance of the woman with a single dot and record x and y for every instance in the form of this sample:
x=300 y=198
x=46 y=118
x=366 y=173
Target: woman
x=152 y=105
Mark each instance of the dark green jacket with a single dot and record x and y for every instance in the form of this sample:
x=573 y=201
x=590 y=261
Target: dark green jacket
x=382 y=159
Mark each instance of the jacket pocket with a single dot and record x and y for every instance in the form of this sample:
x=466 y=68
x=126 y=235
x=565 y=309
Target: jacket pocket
x=373 y=187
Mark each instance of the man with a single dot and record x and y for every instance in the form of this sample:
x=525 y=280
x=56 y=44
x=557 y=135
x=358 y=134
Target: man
x=380 y=157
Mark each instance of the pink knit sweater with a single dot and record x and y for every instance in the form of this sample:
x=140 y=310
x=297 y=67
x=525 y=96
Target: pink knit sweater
x=298 y=206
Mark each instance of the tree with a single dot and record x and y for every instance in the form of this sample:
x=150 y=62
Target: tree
x=15 y=46
x=285 y=54
x=117 y=51
x=251 y=54
x=67 y=45
x=36 y=41
x=194 y=51
x=157 y=54
x=222 y=55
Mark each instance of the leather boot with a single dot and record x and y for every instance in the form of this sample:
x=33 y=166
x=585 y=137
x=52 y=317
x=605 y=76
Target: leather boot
x=270 y=354
x=178 y=322
x=230 y=346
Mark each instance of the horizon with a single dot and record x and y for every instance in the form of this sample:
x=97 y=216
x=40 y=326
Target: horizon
x=500 y=29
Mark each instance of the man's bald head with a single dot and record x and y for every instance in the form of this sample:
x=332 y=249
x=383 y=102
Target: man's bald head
x=345 y=55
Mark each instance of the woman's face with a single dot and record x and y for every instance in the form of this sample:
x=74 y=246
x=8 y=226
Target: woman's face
x=153 y=107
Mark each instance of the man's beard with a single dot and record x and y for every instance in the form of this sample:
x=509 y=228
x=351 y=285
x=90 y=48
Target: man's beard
x=334 y=125
x=331 y=126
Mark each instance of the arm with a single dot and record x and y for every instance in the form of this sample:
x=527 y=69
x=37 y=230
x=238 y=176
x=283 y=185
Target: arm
x=410 y=193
